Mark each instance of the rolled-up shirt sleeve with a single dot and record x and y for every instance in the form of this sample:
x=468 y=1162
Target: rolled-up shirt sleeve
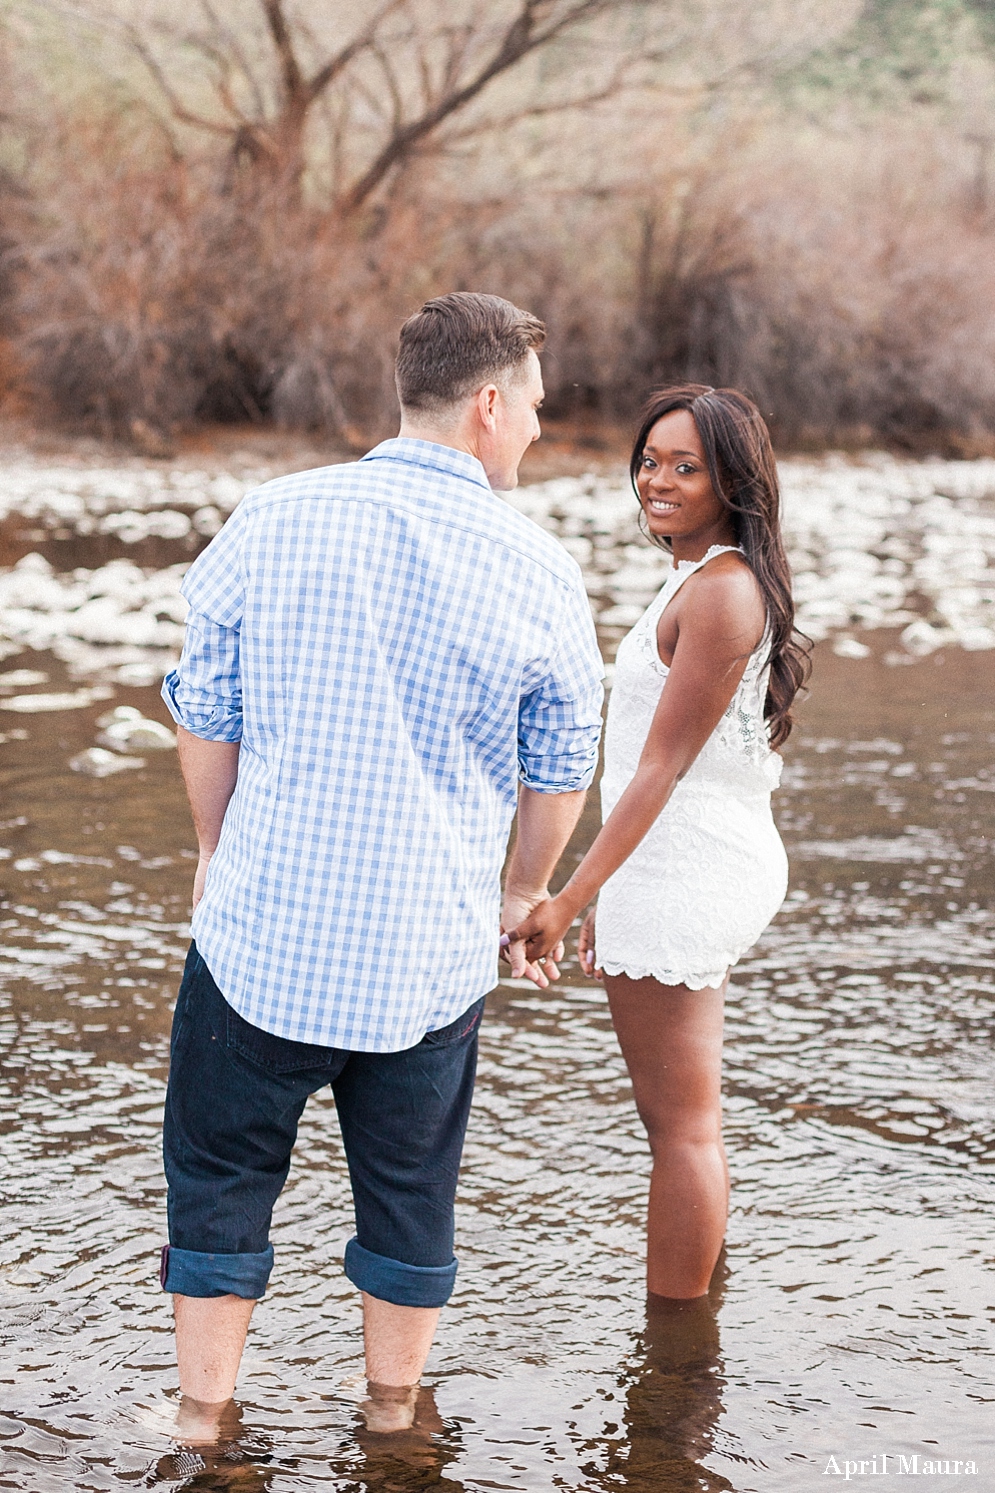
x=204 y=692
x=559 y=721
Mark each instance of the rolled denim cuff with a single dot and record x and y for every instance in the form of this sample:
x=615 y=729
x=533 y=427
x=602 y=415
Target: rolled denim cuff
x=392 y=1280
x=188 y=1272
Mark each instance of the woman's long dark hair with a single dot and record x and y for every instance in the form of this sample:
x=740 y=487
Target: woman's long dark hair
x=744 y=476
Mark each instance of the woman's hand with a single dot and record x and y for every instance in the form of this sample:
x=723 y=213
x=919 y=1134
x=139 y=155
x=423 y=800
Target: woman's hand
x=585 y=946
x=517 y=907
x=542 y=931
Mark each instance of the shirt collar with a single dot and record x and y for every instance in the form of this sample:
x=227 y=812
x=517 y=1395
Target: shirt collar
x=429 y=454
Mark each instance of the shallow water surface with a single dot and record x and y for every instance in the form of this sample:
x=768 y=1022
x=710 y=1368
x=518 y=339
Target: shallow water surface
x=851 y=1317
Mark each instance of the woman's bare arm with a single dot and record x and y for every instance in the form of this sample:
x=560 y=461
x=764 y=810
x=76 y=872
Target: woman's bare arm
x=721 y=623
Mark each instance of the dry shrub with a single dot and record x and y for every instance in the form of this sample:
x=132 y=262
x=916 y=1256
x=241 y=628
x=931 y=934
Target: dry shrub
x=156 y=291
x=846 y=289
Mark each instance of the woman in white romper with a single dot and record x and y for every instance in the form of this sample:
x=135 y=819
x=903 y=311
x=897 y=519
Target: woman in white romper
x=689 y=863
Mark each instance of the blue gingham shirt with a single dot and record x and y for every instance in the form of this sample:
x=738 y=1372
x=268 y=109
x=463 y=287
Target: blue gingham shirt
x=396 y=648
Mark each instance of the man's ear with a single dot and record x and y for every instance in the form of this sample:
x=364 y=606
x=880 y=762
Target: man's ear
x=487 y=401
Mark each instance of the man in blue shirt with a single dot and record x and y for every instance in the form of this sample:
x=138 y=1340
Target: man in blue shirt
x=383 y=659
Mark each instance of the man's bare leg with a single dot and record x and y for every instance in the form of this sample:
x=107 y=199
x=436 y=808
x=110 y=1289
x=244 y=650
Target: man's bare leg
x=210 y=1336
x=397 y=1340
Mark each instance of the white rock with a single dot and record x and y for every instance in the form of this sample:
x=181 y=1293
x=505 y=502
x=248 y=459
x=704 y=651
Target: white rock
x=207 y=521
x=641 y=578
x=35 y=704
x=871 y=539
x=579 y=547
x=850 y=648
x=126 y=729
x=921 y=638
x=142 y=675
x=169 y=525
x=95 y=762
x=33 y=565
x=622 y=615
x=976 y=639
x=129 y=527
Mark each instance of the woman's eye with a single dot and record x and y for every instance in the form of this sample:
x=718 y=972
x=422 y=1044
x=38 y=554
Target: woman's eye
x=685 y=468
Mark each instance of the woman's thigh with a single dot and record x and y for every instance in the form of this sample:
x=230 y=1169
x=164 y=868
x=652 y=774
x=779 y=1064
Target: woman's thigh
x=671 y=1039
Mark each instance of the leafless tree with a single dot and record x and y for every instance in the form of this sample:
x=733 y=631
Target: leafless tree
x=406 y=70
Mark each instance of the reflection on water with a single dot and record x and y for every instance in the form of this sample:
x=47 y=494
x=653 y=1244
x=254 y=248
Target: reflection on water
x=852 y=1314
x=672 y=1389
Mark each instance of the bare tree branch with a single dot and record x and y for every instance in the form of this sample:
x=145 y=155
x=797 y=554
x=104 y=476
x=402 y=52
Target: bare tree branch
x=428 y=91
x=537 y=23
x=176 y=104
x=280 y=138
x=382 y=57
x=236 y=51
x=459 y=43
x=330 y=70
x=290 y=68
x=615 y=85
x=449 y=65
x=224 y=69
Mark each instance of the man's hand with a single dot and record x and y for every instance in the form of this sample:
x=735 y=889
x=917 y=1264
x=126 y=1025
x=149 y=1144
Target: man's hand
x=200 y=876
x=518 y=905
x=539 y=935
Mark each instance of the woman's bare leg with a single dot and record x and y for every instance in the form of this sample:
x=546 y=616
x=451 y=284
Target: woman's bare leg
x=671 y=1039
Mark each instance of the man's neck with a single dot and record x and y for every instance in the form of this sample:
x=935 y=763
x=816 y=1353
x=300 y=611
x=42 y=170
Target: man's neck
x=453 y=436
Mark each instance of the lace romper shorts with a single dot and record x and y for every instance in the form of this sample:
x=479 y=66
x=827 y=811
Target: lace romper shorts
x=703 y=884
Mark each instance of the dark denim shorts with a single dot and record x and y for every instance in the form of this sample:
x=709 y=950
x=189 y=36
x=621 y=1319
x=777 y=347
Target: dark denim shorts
x=235 y=1097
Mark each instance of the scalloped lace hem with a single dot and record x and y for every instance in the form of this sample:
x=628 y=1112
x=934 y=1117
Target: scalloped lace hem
x=693 y=980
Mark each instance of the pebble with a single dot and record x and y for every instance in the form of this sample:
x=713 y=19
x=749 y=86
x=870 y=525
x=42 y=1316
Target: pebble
x=126 y=728
x=82 y=614
x=131 y=527
x=97 y=762
x=873 y=542
x=67 y=700
x=78 y=496
x=850 y=648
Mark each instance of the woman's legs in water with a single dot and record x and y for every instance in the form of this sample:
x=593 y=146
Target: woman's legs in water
x=671 y=1039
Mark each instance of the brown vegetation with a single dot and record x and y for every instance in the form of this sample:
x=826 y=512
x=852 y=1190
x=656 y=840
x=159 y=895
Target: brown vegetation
x=153 y=279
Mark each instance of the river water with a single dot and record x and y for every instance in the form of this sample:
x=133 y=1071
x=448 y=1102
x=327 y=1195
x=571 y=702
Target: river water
x=851 y=1320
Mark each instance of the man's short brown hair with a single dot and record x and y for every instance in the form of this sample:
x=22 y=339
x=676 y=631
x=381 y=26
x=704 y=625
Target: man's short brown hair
x=458 y=342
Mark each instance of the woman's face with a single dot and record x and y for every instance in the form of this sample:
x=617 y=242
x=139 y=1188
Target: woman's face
x=675 y=489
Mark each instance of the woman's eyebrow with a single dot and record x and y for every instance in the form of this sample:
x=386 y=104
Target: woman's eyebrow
x=674 y=453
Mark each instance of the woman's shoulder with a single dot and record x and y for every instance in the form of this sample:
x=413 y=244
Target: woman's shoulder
x=726 y=590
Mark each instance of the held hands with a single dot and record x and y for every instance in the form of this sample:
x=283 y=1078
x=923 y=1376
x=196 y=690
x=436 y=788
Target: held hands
x=518 y=906
x=540 y=935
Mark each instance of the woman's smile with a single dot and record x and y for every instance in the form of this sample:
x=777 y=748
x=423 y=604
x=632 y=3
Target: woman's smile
x=675 y=489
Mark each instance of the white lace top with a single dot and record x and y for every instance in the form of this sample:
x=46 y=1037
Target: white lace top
x=737 y=754
x=711 y=872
